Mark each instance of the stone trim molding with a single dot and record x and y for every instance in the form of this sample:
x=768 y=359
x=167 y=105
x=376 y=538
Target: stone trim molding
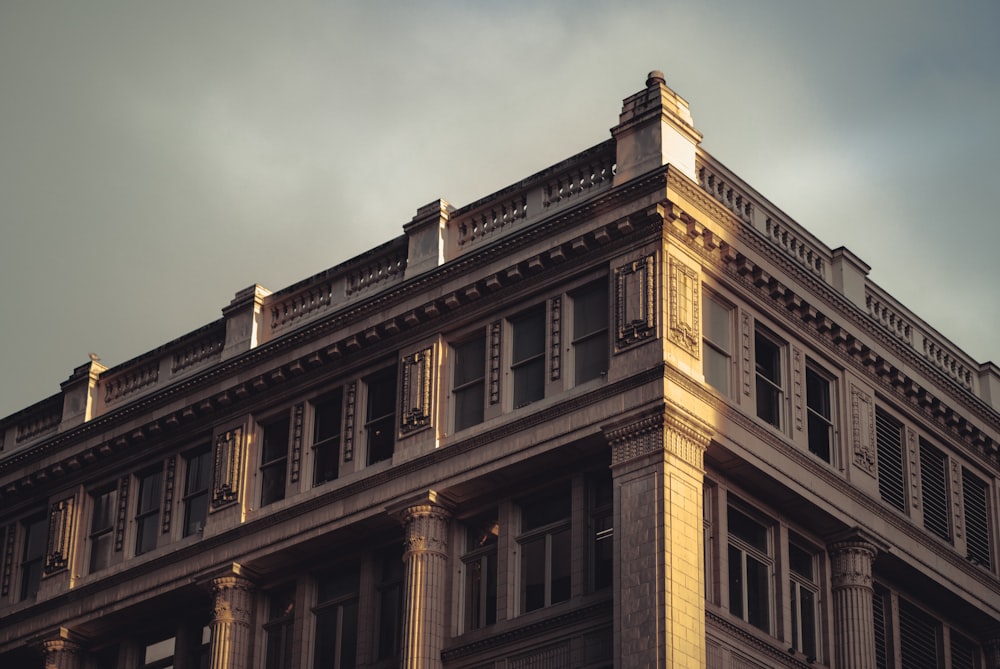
x=666 y=427
x=298 y=418
x=228 y=470
x=416 y=393
x=863 y=431
x=635 y=302
x=685 y=307
x=60 y=544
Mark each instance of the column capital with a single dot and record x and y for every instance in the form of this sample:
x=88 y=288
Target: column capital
x=666 y=427
x=62 y=640
x=429 y=503
x=851 y=556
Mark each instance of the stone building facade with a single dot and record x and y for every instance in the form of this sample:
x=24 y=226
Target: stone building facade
x=623 y=413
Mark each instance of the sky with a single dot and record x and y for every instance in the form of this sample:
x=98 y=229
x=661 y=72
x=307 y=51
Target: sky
x=157 y=157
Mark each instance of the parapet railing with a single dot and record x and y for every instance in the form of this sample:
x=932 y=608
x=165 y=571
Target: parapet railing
x=778 y=228
x=568 y=182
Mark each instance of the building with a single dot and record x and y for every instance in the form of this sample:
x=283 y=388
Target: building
x=624 y=413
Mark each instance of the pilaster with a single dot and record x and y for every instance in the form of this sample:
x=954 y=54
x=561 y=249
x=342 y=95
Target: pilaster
x=232 y=614
x=425 y=556
x=63 y=651
x=658 y=474
x=851 y=559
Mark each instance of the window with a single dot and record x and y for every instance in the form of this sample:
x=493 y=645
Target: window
x=197 y=466
x=976 y=504
x=326 y=437
x=102 y=525
x=390 y=604
x=469 y=383
x=380 y=422
x=820 y=416
x=716 y=342
x=889 y=444
x=147 y=516
x=770 y=390
x=274 y=461
x=336 y=614
x=545 y=551
x=278 y=628
x=602 y=532
x=880 y=608
x=919 y=638
x=934 y=489
x=36 y=532
x=528 y=357
x=159 y=654
x=749 y=570
x=590 y=331
x=964 y=654
x=803 y=595
x=480 y=564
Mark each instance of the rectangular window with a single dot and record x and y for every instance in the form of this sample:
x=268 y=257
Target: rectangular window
x=803 y=595
x=889 y=444
x=390 y=604
x=545 y=551
x=820 y=414
x=976 y=504
x=274 y=461
x=278 y=628
x=147 y=515
x=197 y=467
x=480 y=563
x=716 y=342
x=102 y=525
x=934 y=489
x=159 y=654
x=528 y=357
x=327 y=413
x=770 y=387
x=469 y=383
x=919 y=638
x=336 y=614
x=749 y=570
x=964 y=653
x=602 y=532
x=590 y=331
x=36 y=532
x=880 y=607
x=380 y=422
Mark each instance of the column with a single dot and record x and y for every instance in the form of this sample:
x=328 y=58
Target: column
x=425 y=555
x=232 y=613
x=62 y=652
x=658 y=474
x=851 y=580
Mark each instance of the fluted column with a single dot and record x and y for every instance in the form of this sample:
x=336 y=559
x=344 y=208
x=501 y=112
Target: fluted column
x=231 y=621
x=853 y=623
x=62 y=652
x=426 y=570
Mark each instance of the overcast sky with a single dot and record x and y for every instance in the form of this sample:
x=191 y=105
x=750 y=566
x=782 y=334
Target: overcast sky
x=157 y=157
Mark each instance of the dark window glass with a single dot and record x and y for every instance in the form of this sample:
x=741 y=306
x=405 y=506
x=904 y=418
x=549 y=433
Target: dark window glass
x=882 y=635
x=381 y=416
x=197 y=468
x=820 y=418
x=802 y=593
x=964 y=652
x=470 y=382
x=390 y=597
x=590 y=331
x=274 y=461
x=35 y=538
x=102 y=525
x=326 y=437
x=528 y=357
x=278 y=629
x=603 y=533
x=918 y=638
x=769 y=386
x=481 y=572
x=337 y=619
x=147 y=518
x=749 y=570
x=545 y=551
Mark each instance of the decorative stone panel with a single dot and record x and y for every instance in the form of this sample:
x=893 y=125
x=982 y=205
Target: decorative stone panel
x=298 y=418
x=685 y=309
x=350 y=412
x=555 y=338
x=168 y=493
x=551 y=657
x=635 y=302
x=417 y=391
x=228 y=470
x=60 y=544
x=7 y=559
x=123 y=484
x=863 y=431
x=495 y=330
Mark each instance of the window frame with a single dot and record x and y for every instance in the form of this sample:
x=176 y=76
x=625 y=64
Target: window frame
x=725 y=353
x=329 y=445
x=764 y=557
x=798 y=583
x=480 y=561
x=814 y=414
x=31 y=568
x=274 y=469
x=776 y=387
x=598 y=338
x=557 y=529
x=524 y=369
x=341 y=603
x=96 y=534
x=144 y=515
x=472 y=386
x=386 y=420
x=191 y=497
x=280 y=627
